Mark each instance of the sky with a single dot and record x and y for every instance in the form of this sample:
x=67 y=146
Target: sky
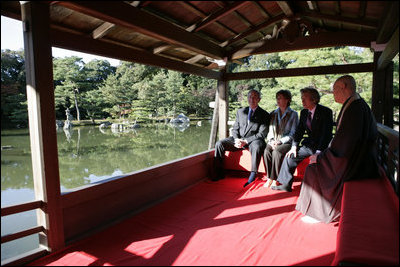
x=12 y=38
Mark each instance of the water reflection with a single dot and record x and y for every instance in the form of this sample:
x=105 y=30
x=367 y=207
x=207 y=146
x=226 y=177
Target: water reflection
x=91 y=154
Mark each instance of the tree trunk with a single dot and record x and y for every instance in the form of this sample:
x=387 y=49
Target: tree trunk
x=78 y=116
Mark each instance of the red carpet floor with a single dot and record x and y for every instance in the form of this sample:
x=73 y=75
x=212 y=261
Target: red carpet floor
x=212 y=223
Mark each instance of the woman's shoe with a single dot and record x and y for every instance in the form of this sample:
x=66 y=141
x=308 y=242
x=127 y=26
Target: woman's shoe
x=268 y=183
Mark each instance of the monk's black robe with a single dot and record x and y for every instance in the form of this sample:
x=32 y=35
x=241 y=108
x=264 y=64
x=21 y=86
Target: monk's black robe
x=351 y=155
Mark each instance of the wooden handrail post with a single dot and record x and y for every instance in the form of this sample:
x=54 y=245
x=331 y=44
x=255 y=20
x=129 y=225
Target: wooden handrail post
x=42 y=126
x=223 y=109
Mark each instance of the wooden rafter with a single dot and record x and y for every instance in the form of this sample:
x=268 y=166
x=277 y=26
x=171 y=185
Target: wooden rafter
x=161 y=48
x=312 y=5
x=387 y=28
x=323 y=39
x=292 y=72
x=145 y=23
x=391 y=50
x=219 y=14
x=362 y=9
x=340 y=19
x=262 y=10
x=255 y=29
x=69 y=40
x=201 y=14
x=285 y=6
x=104 y=28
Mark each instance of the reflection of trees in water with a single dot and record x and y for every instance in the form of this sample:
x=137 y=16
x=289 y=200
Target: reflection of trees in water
x=16 y=165
x=90 y=152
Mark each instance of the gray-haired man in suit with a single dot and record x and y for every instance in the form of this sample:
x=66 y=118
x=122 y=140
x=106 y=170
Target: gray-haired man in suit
x=249 y=131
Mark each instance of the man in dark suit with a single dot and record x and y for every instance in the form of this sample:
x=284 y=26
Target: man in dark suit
x=249 y=131
x=351 y=155
x=315 y=120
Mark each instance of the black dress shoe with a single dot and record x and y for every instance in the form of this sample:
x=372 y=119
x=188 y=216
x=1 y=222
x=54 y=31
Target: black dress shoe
x=251 y=179
x=214 y=179
x=282 y=187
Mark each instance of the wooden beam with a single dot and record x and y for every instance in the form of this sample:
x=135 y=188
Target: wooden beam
x=201 y=14
x=378 y=89
x=341 y=19
x=323 y=39
x=312 y=5
x=391 y=50
x=262 y=10
x=287 y=10
x=219 y=14
x=102 y=30
x=122 y=14
x=362 y=10
x=387 y=27
x=388 y=104
x=336 y=7
x=214 y=123
x=223 y=108
x=73 y=41
x=195 y=59
x=336 y=69
x=161 y=48
x=254 y=29
x=11 y=9
x=42 y=129
x=243 y=19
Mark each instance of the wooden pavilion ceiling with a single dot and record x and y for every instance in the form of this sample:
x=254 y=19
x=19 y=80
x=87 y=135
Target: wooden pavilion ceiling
x=197 y=35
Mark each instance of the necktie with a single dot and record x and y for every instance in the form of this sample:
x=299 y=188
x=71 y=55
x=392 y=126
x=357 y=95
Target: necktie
x=309 y=119
x=250 y=114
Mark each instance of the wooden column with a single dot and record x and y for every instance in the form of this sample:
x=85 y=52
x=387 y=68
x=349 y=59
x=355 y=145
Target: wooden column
x=378 y=89
x=214 y=123
x=382 y=91
x=388 y=97
x=42 y=126
x=223 y=110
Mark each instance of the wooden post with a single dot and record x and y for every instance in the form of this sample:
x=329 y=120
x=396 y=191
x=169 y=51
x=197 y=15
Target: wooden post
x=388 y=97
x=214 y=123
x=223 y=110
x=382 y=92
x=378 y=89
x=42 y=123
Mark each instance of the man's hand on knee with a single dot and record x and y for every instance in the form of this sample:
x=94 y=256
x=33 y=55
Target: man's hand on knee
x=239 y=143
x=292 y=151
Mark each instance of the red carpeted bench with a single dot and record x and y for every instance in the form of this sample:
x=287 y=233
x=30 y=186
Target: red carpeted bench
x=241 y=161
x=368 y=230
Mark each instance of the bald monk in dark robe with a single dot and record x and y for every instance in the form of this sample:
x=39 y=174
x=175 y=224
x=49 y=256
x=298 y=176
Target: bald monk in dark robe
x=351 y=155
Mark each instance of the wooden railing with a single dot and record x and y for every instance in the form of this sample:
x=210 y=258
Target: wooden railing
x=388 y=153
x=14 y=209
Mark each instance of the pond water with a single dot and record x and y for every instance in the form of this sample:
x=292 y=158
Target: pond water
x=86 y=155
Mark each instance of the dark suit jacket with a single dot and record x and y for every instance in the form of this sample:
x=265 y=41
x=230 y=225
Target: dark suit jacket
x=256 y=129
x=321 y=129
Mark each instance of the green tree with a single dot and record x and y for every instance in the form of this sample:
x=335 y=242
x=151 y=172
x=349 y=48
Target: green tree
x=13 y=89
x=200 y=92
x=69 y=79
x=92 y=100
x=123 y=87
x=175 y=93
